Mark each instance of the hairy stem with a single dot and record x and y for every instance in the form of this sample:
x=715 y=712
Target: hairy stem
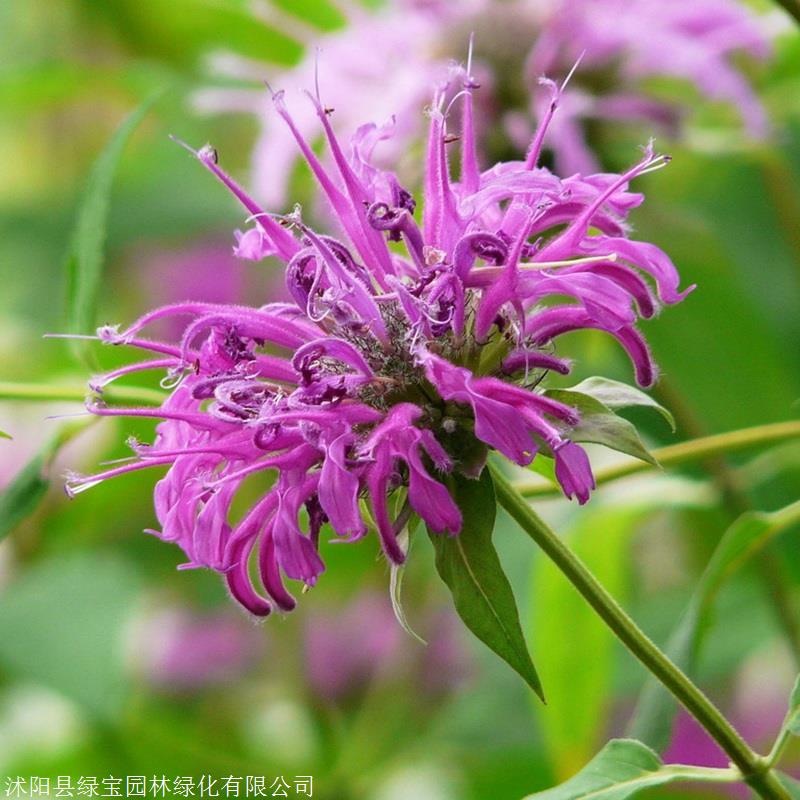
x=684 y=453
x=754 y=769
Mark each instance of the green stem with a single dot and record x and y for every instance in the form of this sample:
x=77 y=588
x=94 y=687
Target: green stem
x=781 y=742
x=683 y=453
x=43 y=392
x=754 y=769
x=792 y=7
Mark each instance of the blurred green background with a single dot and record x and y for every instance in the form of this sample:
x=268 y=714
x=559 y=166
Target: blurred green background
x=114 y=663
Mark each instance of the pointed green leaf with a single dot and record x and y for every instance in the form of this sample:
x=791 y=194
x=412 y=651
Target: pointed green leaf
x=84 y=265
x=614 y=394
x=4 y=435
x=600 y=425
x=652 y=718
x=469 y=565
x=623 y=768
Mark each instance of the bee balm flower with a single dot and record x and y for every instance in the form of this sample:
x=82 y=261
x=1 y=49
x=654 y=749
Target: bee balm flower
x=415 y=343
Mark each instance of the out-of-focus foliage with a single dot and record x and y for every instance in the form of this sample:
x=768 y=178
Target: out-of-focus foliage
x=80 y=693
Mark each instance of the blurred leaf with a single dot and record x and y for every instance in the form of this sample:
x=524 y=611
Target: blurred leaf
x=615 y=394
x=21 y=497
x=728 y=232
x=85 y=259
x=655 y=710
x=577 y=667
x=62 y=623
x=600 y=425
x=790 y=784
x=469 y=565
x=624 y=767
x=545 y=467
x=187 y=31
x=4 y=435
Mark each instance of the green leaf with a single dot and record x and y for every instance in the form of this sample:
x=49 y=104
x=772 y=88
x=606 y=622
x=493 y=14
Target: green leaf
x=62 y=624
x=84 y=265
x=623 y=768
x=21 y=497
x=578 y=689
x=545 y=467
x=790 y=784
x=4 y=435
x=469 y=565
x=600 y=425
x=614 y=394
x=752 y=531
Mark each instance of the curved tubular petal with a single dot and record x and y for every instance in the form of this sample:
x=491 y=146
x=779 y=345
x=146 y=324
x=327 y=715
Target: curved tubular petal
x=547 y=325
x=241 y=587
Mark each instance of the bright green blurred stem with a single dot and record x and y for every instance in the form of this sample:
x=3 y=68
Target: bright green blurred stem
x=754 y=769
x=44 y=392
x=683 y=453
x=792 y=7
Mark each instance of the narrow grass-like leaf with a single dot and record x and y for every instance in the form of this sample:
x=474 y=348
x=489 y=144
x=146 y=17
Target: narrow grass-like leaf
x=655 y=710
x=469 y=565
x=623 y=768
x=600 y=425
x=84 y=266
x=4 y=435
x=614 y=394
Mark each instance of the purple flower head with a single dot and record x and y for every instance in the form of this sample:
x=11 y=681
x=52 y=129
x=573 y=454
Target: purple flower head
x=622 y=44
x=415 y=343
